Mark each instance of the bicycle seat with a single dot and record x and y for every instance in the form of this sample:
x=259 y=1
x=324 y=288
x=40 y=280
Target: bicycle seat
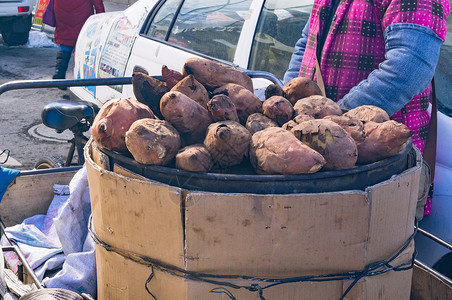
x=65 y=114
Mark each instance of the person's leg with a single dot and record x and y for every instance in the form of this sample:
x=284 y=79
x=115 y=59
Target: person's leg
x=62 y=61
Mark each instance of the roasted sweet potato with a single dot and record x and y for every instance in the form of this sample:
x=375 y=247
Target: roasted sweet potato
x=278 y=108
x=221 y=108
x=273 y=90
x=302 y=118
x=277 y=151
x=366 y=113
x=114 y=119
x=186 y=115
x=149 y=91
x=193 y=89
x=297 y=120
x=245 y=101
x=228 y=143
x=171 y=77
x=194 y=158
x=353 y=126
x=152 y=141
x=300 y=87
x=382 y=140
x=329 y=139
x=139 y=69
x=213 y=74
x=257 y=122
x=289 y=125
x=317 y=107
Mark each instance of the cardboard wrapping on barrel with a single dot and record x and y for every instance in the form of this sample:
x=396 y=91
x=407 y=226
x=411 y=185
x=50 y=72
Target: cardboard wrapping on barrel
x=113 y=284
x=265 y=236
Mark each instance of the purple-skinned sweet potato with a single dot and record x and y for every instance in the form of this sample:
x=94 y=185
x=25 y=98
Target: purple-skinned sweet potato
x=300 y=87
x=114 y=119
x=297 y=120
x=193 y=89
x=277 y=151
x=152 y=141
x=194 y=158
x=353 y=126
x=221 y=108
x=245 y=101
x=171 y=77
x=302 y=118
x=317 y=106
x=228 y=143
x=278 y=108
x=186 y=115
x=367 y=113
x=257 y=122
x=273 y=90
x=213 y=74
x=329 y=139
x=149 y=90
x=382 y=140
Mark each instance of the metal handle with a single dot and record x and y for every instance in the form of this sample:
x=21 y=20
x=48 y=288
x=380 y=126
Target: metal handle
x=435 y=238
x=56 y=83
x=264 y=75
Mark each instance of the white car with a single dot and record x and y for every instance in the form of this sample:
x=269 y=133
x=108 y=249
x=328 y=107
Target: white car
x=15 y=20
x=249 y=34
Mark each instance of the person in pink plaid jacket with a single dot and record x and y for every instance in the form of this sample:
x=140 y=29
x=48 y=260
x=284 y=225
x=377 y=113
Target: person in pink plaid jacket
x=375 y=52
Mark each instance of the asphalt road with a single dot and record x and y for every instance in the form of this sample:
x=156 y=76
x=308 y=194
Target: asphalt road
x=21 y=130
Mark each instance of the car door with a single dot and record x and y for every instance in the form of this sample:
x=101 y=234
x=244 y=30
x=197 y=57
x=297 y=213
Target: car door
x=178 y=30
x=103 y=49
x=118 y=46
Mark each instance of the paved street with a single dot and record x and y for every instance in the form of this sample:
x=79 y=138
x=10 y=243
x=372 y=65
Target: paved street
x=22 y=133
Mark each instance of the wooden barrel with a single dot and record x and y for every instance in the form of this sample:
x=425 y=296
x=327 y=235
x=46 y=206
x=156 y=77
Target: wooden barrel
x=162 y=241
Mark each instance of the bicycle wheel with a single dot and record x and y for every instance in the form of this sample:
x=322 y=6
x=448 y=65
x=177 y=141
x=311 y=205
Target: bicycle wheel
x=49 y=162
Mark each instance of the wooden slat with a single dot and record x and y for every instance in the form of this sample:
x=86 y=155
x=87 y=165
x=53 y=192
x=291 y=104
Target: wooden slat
x=428 y=286
x=30 y=194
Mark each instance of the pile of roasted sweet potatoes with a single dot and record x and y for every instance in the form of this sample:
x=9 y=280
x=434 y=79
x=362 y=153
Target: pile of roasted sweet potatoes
x=208 y=118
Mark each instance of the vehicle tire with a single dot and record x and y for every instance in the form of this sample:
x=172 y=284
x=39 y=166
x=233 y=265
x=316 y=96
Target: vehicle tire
x=49 y=162
x=15 y=38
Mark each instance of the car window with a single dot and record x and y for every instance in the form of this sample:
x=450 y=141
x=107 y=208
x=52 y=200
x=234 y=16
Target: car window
x=280 y=25
x=208 y=27
x=443 y=74
x=162 y=20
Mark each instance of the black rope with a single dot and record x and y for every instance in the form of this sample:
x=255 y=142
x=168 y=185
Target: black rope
x=7 y=151
x=222 y=290
x=373 y=269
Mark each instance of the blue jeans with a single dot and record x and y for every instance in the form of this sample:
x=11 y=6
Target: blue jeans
x=67 y=48
x=412 y=52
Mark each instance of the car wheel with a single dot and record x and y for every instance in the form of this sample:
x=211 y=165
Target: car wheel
x=15 y=38
x=49 y=162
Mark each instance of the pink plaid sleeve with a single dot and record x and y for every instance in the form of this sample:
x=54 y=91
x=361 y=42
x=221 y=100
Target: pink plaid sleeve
x=429 y=13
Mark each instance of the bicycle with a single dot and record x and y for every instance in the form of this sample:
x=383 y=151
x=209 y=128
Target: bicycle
x=74 y=115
